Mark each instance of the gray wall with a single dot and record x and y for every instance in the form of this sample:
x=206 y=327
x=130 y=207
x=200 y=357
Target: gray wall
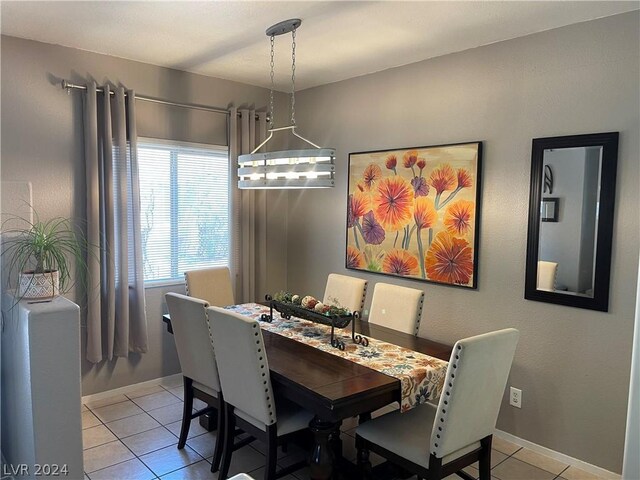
x=572 y=365
x=42 y=143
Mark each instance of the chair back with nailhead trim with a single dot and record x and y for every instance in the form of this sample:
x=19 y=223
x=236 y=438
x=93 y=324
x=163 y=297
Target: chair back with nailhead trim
x=242 y=363
x=210 y=284
x=193 y=342
x=473 y=389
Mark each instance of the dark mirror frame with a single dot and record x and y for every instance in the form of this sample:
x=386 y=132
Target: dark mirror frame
x=604 y=237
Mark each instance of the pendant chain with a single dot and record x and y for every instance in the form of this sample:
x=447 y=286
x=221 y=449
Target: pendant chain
x=293 y=77
x=271 y=92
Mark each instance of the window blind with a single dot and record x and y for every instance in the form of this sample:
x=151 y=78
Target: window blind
x=184 y=197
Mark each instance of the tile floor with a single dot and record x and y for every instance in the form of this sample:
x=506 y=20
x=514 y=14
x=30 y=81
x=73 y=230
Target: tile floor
x=134 y=437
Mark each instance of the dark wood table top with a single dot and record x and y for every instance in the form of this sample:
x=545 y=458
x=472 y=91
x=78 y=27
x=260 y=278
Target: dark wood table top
x=332 y=387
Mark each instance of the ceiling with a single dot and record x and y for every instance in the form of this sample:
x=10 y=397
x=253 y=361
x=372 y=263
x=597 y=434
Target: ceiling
x=337 y=39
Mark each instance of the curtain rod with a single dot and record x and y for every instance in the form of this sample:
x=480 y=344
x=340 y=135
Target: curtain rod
x=68 y=86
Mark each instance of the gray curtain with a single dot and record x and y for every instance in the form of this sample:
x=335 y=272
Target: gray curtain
x=116 y=318
x=248 y=209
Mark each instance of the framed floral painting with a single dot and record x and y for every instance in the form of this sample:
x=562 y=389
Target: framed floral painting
x=414 y=213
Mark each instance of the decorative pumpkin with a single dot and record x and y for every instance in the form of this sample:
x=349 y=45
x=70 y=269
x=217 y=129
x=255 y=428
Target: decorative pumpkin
x=318 y=307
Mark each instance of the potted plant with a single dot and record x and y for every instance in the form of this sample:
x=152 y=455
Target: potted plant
x=43 y=254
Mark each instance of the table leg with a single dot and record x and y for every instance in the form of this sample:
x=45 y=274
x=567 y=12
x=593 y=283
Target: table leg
x=322 y=455
x=336 y=444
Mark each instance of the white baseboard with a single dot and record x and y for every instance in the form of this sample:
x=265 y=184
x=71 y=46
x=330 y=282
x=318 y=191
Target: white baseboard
x=130 y=388
x=561 y=457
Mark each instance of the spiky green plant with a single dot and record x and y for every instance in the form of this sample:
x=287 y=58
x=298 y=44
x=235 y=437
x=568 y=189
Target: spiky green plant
x=44 y=246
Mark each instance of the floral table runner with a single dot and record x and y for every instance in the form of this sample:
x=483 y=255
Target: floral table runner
x=421 y=376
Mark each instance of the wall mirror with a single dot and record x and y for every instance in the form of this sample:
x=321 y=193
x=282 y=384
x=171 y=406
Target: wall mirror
x=571 y=203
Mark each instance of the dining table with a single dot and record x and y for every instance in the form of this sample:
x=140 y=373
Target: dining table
x=335 y=388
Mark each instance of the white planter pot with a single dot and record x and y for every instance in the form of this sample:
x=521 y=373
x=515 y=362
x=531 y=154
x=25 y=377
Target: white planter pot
x=39 y=285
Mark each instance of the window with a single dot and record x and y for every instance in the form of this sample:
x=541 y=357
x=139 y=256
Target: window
x=184 y=204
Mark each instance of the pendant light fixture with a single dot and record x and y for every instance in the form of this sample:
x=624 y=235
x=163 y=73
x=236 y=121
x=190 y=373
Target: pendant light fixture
x=305 y=168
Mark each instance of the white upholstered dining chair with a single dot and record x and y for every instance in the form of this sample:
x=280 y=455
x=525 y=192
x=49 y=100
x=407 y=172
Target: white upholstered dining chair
x=547 y=273
x=345 y=291
x=461 y=425
x=249 y=399
x=198 y=364
x=210 y=284
x=396 y=307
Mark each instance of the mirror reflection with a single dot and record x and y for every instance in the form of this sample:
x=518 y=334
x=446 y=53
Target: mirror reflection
x=568 y=220
x=571 y=204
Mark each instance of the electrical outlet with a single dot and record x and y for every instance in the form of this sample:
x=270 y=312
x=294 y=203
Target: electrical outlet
x=515 y=397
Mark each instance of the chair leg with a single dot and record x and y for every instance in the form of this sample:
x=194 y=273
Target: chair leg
x=435 y=467
x=484 y=462
x=186 y=412
x=220 y=436
x=229 y=430
x=272 y=452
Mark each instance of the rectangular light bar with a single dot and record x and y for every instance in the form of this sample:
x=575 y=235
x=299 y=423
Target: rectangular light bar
x=309 y=168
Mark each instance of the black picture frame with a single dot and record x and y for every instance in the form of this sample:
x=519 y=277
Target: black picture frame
x=549 y=209
x=602 y=264
x=428 y=154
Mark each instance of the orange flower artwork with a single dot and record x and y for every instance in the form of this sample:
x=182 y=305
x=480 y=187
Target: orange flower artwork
x=354 y=258
x=459 y=216
x=443 y=178
x=371 y=175
x=391 y=162
x=424 y=212
x=425 y=215
x=393 y=203
x=410 y=158
x=464 y=178
x=449 y=260
x=400 y=262
x=360 y=204
x=413 y=212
